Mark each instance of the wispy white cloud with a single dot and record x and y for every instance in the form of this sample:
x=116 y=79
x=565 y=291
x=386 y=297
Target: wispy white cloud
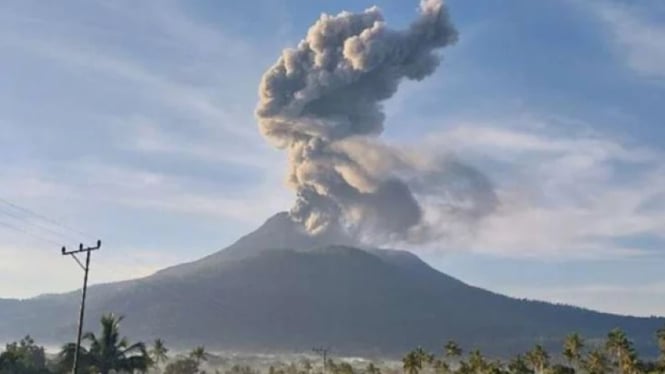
x=193 y=101
x=139 y=189
x=145 y=135
x=564 y=194
x=197 y=120
x=132 y=187
x=639 y=37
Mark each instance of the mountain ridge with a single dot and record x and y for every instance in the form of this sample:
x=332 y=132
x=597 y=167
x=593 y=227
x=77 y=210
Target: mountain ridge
x=277 y=232
x=258 y=296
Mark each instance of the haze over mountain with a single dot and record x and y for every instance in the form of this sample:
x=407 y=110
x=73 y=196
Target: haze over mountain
x=281 y=289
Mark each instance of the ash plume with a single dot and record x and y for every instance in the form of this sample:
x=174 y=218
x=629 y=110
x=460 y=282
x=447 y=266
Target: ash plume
x=322 y=103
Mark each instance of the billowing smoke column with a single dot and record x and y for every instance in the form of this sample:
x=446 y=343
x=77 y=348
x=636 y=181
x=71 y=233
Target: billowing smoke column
x=322 y=103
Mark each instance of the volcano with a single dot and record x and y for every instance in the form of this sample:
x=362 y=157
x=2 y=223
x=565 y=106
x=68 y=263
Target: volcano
x=279 y=289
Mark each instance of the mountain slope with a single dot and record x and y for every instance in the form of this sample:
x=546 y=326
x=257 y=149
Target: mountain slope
x=278 y=289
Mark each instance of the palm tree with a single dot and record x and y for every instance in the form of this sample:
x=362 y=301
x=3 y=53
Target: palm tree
x=616 y=340
x=108 y=351
x=66 y=357
x=596 y=362
x=518 y=366
x=538 y=359
x=412 y=362
x=452 y=350
x=572 y=349
x=621 y=349
x=629 y=364
x=477 y=362
x=424 y=356
x=371 y=369
x=199 y=354
x=159 y=352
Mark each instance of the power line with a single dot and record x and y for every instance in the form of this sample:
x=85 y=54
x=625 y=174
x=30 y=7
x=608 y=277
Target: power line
x=18 y=229
x=42 y=227
x=45 y=218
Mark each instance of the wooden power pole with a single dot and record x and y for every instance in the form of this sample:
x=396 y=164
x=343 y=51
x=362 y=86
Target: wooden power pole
x=324 y=355
x=85 y=268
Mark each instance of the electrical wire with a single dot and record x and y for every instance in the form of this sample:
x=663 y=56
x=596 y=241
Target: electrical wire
x=38 y=226
x=45 y=218
x=36 y=236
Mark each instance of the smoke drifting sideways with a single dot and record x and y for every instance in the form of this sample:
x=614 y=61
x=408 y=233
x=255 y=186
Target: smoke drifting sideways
x=322 y=103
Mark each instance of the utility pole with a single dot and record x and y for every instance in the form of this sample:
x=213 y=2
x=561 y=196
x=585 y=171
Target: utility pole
x=324 y=354
x=85 y=268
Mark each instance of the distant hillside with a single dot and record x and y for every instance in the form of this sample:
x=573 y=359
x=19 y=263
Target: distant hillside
x=278 y=289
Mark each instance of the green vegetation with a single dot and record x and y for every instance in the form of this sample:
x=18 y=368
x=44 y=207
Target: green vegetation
x=24 y=357
x=616 y=355
x=199 y=354
x=185 y=365
x=159 y=353
x=108 y=353
x=572 y=349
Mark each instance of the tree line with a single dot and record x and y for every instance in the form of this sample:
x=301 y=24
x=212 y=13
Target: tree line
x=616 y=355
x=105 y=353
x=108 y=352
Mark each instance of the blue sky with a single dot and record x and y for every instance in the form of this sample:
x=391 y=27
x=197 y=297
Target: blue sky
x=133 y=121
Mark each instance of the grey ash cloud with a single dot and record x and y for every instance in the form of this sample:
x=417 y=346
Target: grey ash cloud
x=322 y=103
